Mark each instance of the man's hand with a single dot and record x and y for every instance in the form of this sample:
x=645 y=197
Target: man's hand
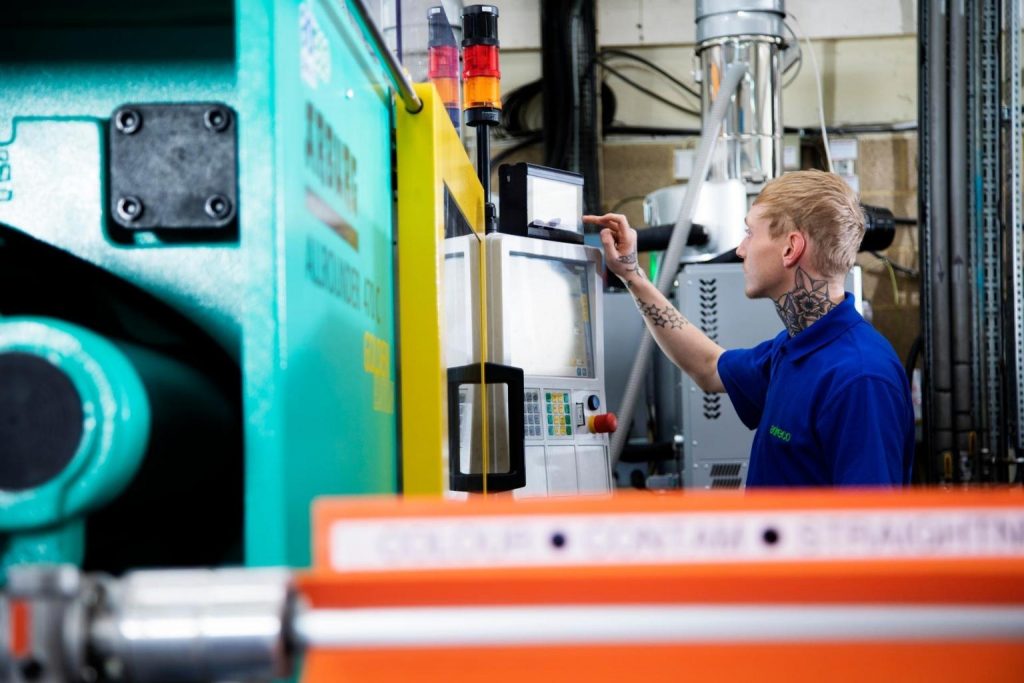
x=619 y=242
x=685 y=344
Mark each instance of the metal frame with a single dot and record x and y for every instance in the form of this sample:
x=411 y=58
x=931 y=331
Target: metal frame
x=1013 y=25
x=991 y=228
x=396 y=73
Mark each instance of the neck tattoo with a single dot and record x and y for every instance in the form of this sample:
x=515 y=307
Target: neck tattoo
x=807 y=302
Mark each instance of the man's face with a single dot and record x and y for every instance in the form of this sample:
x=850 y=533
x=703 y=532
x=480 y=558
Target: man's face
x=763 y=269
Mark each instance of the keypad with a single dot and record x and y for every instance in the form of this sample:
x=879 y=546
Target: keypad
x=532 y=418
x=559 y=415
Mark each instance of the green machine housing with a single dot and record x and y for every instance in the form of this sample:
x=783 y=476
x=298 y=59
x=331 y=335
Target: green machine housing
x=197 y=322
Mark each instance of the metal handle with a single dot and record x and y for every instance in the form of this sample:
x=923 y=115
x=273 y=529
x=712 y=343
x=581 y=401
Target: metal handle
x=496 y=481
x=399 y=79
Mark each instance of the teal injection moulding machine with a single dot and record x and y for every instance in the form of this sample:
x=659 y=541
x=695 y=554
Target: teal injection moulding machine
x=196 y=227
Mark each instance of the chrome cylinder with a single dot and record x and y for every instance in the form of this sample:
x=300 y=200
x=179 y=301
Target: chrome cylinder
x=749 y=32
x=191 y=626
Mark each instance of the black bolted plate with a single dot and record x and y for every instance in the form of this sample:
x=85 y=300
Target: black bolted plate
x=173 y=167
x=40 y=421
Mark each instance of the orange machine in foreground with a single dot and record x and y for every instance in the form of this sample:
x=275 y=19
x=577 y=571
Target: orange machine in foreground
x=836 y=586
x=777 y=586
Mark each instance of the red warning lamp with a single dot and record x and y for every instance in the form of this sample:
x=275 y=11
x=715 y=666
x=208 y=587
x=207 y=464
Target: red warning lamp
x=443 y=61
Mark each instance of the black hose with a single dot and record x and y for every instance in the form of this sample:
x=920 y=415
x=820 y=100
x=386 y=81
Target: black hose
x=656 y=237
x=855 y=128
x=912 y=356
x=879 y=228
x=649 y=130
x=649 y=452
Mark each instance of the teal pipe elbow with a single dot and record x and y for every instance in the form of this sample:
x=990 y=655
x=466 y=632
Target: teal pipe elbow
x=48 y=362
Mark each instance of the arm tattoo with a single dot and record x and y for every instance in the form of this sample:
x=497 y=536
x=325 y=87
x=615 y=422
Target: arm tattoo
x=662 y=316
x=629 y=260
x=807 y=302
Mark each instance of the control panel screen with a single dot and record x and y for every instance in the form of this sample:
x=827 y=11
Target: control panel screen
x=554 y=204
x=547 y=321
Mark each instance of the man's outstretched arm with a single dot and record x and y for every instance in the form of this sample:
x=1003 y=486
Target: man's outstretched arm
x=683 y=343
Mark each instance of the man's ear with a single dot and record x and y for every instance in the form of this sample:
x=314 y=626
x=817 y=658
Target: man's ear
x=794 y=248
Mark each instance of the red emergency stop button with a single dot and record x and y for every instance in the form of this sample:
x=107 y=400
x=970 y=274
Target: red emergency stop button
x=603 y=424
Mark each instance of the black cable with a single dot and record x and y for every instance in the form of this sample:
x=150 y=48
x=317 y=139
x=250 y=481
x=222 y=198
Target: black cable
x=650 y=93
x=855 y=128
x=517 y=102
x=895 y=266
x=651 y=65
x=535 y=138
x=514 y=108
x=799 y=68
x=904 y=221
x=623 y=129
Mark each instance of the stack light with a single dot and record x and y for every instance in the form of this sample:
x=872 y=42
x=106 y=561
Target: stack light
x=481 y=73
x=481 y=92
x=443 y=62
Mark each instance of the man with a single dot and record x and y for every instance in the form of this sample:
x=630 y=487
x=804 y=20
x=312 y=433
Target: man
x=828 y=396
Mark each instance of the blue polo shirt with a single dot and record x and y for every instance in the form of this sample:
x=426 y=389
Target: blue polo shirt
x=831 y=405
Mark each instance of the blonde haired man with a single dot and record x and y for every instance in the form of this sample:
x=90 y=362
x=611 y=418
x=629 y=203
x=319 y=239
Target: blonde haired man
x=827 y=396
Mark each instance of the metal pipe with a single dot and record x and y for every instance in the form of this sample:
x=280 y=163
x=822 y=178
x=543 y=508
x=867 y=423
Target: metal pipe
x=399 y=79
x=712 y=124
x=752 y=32
x=959 y=246
x=196 y=625
x=935 y=240
x=349 y=629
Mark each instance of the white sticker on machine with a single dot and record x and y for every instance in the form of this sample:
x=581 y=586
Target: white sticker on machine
x=673 y=538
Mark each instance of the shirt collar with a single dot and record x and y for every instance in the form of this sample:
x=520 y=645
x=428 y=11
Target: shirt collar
x=824 y=330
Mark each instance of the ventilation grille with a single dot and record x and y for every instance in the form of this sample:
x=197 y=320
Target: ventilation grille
x=730 y=470
x=709 y=324
x=709 y=307
x=726 y=483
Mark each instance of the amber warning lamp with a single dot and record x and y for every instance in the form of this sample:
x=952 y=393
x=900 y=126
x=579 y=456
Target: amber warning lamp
x=481 y=91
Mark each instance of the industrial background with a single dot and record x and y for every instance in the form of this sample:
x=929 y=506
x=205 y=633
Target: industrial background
x=310 y=369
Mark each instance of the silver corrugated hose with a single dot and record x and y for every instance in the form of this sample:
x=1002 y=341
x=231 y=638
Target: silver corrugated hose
x=709 y=136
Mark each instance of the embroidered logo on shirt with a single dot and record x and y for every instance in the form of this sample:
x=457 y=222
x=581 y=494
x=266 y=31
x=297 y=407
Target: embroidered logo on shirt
x=780 y=434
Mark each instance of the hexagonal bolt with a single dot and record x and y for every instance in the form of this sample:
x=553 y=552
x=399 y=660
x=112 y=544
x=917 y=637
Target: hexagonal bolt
x=217 y=119
x=129 y=208
x=217 y=206
x=128 y=121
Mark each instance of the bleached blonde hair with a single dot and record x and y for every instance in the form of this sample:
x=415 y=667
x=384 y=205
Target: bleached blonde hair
x=821 y=206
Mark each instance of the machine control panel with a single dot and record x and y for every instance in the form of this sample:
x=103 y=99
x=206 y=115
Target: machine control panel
x=562 y=414
x=557 y=408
